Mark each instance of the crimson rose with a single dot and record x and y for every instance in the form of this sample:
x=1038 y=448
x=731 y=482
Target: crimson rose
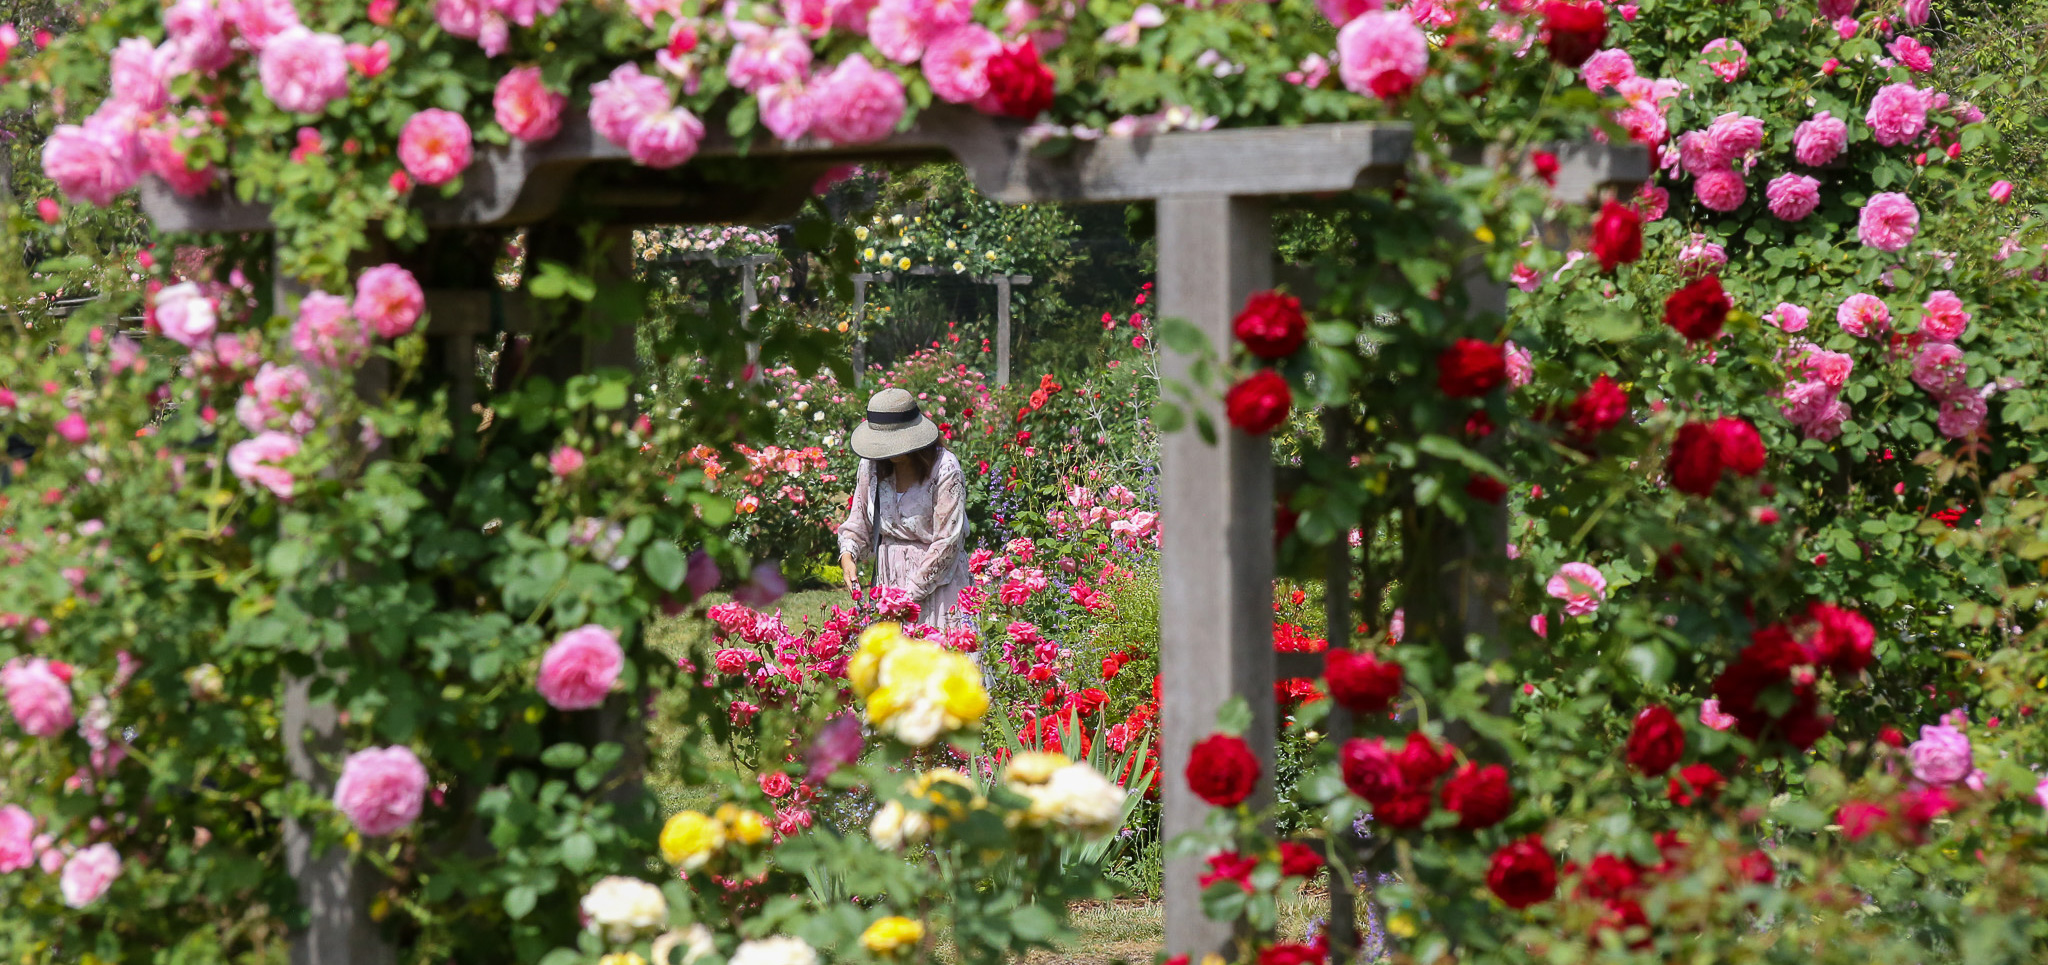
x=1470 y=368
x=1298 y=860
x=1368 y=770
x=1599 y=408
x=1617 y=236
x=1362 y=684
x=1657 y=742
x=1698 y=310
x=1258 y=404
x=1695 y=462
x=1018 y=82
x=1742 y=451
x=1573 y=31
x=1479 y=795
x=1222 y=770
x=1523 y=873
x=1695 y=782
x=1271 y=325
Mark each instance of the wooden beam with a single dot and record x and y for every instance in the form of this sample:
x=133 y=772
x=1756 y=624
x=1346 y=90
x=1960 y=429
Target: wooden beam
x=1216 y=614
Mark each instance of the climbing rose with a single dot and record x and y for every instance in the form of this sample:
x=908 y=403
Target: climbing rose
x=1369 y=771
x=1898 y=113
x=258 y=22
x=1863 y=313
x=138 y=75
x=1222 y=770
x=1580 y=585
x=1019 y=83
x=526 y=108
x=1789 y=317
x=1945 y=318
x=1698 y=310
x=1478 y=795
x=1656 y=742
x=1360 y=683
x=1522 y=873
x=197 y=33
x=1298 y=860
x=1733 y=135
x=89 y=874
x=1521 y=369
x=1271 y=325
x=1694 y=783
x=1793 y=196
x=1912 y=53
x=1961 y=414
x=1573 y=31
x=956 y=62
x=17 y=839
x=580 y=668
x=1721 y=189
x=39 y=699
x=2001 y=191
x=304 y=71
x=1889 y=222
x=1939 y=368
x=255 y=460
x=381 y=789
x=1712 y=717
x=389 y=300
x=857 y=103
x=1742 y=451
x=666 y=139
x=163 y=157
x=185 y=315
x=1381 y=54
x=1859 y=818
x=899 y=28
x=1608 y=68
x=1844 y=640
x=620 y=102
x=94 y=162
x=435 y=146
x=1695 y=462
x=1617 y=236
x=763 y=57
x=1470 y=368
x=1599 y=408
x=1260 y=403
x=1726 y=58
x=326 y=334
x=1820 y=140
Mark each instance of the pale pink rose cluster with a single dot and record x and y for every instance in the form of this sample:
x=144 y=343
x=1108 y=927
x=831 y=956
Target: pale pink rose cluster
x=1888 y=221
x=636 y=111
x=260 y=461
x=327 y=334
x=580 y=668
x=1580 y=585
x=1711 y=156
x=38 y=694
x=88 y=874
x=279 y=397
x=489 y=22
x=186 y=315
x=1646 y=97
x=1939 y=370
x=1701 y=257
x=1816 y=408
x=1381 y=54
x=381 y=789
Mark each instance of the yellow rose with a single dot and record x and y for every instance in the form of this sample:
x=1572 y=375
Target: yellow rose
x=860 y=233
x=749 y=827
x=903 y=264
x=951 y=804
x=965 y=698
x=690 y=838
x=885 y=703
x=893 y=934
x=914 y=667
x=1035 y=767
x=865 y=666
x=622 y=958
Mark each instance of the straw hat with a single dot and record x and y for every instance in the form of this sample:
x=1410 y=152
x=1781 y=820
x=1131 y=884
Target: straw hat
x=894 y=427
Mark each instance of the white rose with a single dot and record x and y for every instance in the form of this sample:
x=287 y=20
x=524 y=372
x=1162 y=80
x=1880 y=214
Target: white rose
x=918 y=724
x=185 y=315
x=894 y=826
x=780 y=950
x=1078 y=796
x=624 y=907
x=694 y=940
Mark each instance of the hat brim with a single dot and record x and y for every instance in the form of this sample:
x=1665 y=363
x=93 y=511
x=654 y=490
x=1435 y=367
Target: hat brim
x=869 y=442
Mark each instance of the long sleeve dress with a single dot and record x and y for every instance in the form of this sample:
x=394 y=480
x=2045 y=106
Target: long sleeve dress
x=923 y=536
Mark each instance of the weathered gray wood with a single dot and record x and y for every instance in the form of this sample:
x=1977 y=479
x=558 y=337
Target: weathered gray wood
x=860 y=339
x=1003 y=283
x=1342 y=925
x=1216 y=616
x=1262 y=161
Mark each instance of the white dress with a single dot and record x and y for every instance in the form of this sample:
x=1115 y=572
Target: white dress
x=923 y=538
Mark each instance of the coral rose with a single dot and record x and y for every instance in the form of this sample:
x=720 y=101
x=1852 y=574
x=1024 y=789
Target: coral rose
x=435 y=146
x=1258 y=404
x=580 y=668
x=381 y=790
x=1222 y=770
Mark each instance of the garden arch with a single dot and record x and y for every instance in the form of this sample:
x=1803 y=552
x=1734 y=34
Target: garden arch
x=1215 y=193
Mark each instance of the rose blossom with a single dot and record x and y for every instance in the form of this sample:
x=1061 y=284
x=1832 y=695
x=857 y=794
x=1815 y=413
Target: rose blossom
x=279 y=397
x=1888 y=222
x=526 y=108
x=1721 y=190
x=1863 y=313
x=1381 y=54
x=763 y=57
x=326 y=334
x=1726 y=58
x=255 y=460
x=369 y=60
x=1898 y=113
x=1831 y=368
x=1700 y=154
x=1944 y=318
x=93 y=162
x=17 y=839
x=1521 y=370
x=565 y=461
x=1793 y=196
x=2001 y=191
x=257 y=21
x=389 y=300
x=185 y=315
x=197 y=35
x=381 y=790
x=1701 y=256
x=1941 y=755
x=785 y=110
x=666 y=139
x=900 y=28
x=1961 y=414
x=39 y=699
x=435 y=146
x=956 y=62
x=1788 y=317
x=1608 y=68
x=304 y=71
x=856 y=103
x=619 y=103
x=1713 y=718
x=1580 y=586
x=580 y=668
x=1939 y=369
x=89 y=874
x=1734 y=135
x=1913 y=54
x=1653 y=202
x=138 y=75
x=1820 y=140
x=159 y=146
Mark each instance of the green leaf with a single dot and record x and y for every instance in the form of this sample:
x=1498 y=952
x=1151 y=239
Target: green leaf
x=565 y=754
x=610 y=395
x=1168 y=417
x=1181 y=335
x=578 y=851
x=286 y=558
x=520 y=901
x=664 y=563
x=1652 y=662
x=1033 y=923
x=1234 y=717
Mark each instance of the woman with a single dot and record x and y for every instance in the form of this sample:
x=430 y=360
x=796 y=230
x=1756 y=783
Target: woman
x=909 y=510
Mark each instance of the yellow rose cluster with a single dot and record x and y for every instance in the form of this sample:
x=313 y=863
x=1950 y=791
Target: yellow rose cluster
x=691 y=839
x=894 y=825
x=915 y=690
x=1064 y=793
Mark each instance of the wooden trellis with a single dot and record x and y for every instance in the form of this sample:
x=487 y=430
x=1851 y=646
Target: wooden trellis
x=1214 y=193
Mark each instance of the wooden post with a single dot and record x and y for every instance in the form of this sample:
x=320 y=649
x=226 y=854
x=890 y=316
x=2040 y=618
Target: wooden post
x=749 y=301
x=860 y=307
x=1216 y=617
x=1342 y=925
x=1003 y=283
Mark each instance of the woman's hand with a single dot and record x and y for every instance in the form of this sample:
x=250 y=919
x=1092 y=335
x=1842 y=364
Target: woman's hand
x=851 y=572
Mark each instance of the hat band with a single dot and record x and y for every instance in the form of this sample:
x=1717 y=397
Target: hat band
x=892 y=418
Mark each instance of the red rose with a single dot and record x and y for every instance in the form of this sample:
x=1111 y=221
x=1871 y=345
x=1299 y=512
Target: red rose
x=1657 y=742
x=1407 y=809
x=1421 y=762
x=1485 y=488
x=1298 y=860
x=1623 y=914
x=1289 y=954
x=1232 y=867
x=1369 y=770
x=1479 y=795
x=1523 y=873
x=1859 y=818
x=1599 y=408
x=1756 y=867
x=1271 y=325
x=1470 y=368
x=1891 y=737
x=1698 y=310
x=1844 y=640
x=1114 y=663
x=1671 y=848
x=1258 y=404
x=1019 y=84
x=1544 y=164
x=1608 y=878
x=1086 y=702
x=1742 y=451
x=1617 y=236
x=1222 y=770
x=1573 y=31
x=1695 y=462
x=1695 y=782
x=1362 y=684
x=1804 y=725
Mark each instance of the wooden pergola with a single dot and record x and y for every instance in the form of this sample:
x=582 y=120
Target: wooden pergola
x=1215 y=193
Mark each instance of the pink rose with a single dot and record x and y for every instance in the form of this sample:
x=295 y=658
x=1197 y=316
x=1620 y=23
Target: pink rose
x=95 y=162
x=2041 y=793
x=776 y=784
x=763 y=57
x=1580 y=586
x=1941 y=756
x=1725 y=57
x=1735 y=135
x=1912 y=54
x=1832 y=10
x=257 y=21
x=89 y=874
x=435 y=146
x=1788 y=317
x=369 y=60
x=785 y=110
x=279 y=397
x=256 y=461
x=140 y=75
x=1861 y=314
x=1961 y=414
x=196 y=33
x=666 y=139
x=1699 y=154
x=389 y=300
x=1721 y=190
x=17 y=839
x=1700 y=256
x=1944 y=318
x=186 y=315
x=1888 y=222
x=856 y=103
x=956 y=62
x=1713 y=718
x=159 y=146
x=1916 y=12
x=619 y=103
x=326 y=334
x=1607 y=68
x=38 y=697
x=73 y=428
x=381 y=789
x=900 y=28
x=1898 y=113
x=525 y=108
x=1820 y=140
x=565 y=461
x=1939 y=369
x=1342 y=12
x=2001 y=191
x=1653 y=202
x=1381 y=54
x=580 y=668
x=303 y=71
x=1831 y=368
x=1521 y=370
x=1793 y=196
x=524 y=12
